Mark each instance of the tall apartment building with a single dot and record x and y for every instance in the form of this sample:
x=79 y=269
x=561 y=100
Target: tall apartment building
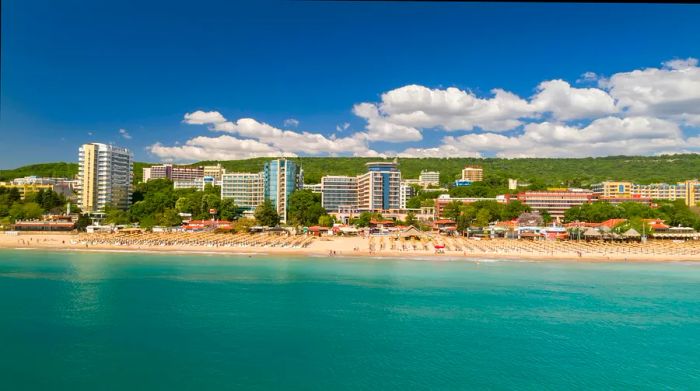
x=245 y=188
x=339 y=193
x=473 y=174
x=380 y=188
x=174 y=173
x=280 y=178
x=427 y=178
x=105 y=175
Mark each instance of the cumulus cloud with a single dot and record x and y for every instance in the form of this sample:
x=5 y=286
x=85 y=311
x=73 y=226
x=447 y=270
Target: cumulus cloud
x=259 y=139
x=643 y=111
x=565 y=102
x=200 y=117
x=602 y=137
x=291 y=122
x=125 y=134
x=381 y=129
x=671 y=92
x=216 y=148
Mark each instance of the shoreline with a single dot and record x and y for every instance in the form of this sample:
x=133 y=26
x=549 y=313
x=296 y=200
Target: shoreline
x=357 y=247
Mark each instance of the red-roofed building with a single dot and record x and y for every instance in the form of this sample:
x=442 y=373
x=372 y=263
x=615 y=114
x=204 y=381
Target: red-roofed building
x=612 y=223
x=444 y=225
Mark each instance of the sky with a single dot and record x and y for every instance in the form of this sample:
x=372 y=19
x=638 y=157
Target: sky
x=183 y=81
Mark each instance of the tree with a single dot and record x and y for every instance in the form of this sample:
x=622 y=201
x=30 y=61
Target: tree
x=116 y=216
x=32 y=210
x=209 y=201
x=365 y=217
x=304 y=208
x=82 y=223
x=452 y=210
x=266 y=215
x=514 y=209
x=169 y=218
x=411 y=219
x=16 y=211
x=326 y=221
x=483 y=217
x=546 y=217
x=228 y=210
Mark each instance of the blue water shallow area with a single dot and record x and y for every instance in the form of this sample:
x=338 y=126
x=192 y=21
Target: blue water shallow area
x=111 y=321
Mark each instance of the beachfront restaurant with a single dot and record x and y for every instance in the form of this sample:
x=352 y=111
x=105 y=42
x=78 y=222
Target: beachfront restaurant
x=676 y=233
x=43 y=226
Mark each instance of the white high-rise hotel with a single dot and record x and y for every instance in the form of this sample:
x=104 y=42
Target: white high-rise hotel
x=376 y=190
x=105 y=175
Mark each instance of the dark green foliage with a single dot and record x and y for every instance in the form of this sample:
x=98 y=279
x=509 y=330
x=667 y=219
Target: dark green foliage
x=365 y=217
x=304 y=208
x=266 y=215
x=417 y=201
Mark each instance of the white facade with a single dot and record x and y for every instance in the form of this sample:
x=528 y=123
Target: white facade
x=406 y=193
x=428 y=178
x=338 y=192
x=105 y=176
x=197 y=183
x=379 y=189
x=245 y=188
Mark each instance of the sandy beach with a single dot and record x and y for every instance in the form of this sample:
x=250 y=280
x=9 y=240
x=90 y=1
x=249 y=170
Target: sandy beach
x=376 y=247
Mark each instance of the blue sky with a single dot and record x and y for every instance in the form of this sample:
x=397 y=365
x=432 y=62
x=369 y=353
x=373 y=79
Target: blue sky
x=79 y=71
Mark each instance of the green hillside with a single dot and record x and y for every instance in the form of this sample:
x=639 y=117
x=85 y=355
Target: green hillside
x=553 y=172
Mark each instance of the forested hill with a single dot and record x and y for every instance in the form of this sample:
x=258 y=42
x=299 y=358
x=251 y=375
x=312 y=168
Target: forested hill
x=554 y=172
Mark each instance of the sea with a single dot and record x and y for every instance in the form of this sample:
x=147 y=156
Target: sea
x=133 y=321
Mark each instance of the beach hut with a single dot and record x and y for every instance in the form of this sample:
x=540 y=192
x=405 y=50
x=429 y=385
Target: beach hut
x=631 y=234
x=411 y=232
x=592 y=233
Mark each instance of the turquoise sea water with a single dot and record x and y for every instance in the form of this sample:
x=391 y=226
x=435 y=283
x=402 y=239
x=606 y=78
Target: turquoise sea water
x=99 y=321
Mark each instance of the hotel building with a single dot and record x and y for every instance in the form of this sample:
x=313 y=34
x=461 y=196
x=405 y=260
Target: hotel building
x=105 y=174
x=196 y=183
x=245 y=188
x=555 y=202
x=339 y=193
x=215 y=172
x=26 y=188
x=444 y=199
x=688 y=191
x=428 y=178
x=280 y=178
x=406 y=193
x=473 y=174
x=174 y=173
x=379 y=189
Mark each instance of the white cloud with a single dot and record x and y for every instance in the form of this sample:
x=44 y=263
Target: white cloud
x=405 y=110
x=291 y=123
x=216 y=148
x=636 y=112
x=125 y=134
x=200 y=117
x=671 y=92
x=588 y=77
x=566 y=102
x=259 y=139
x=602 y=137
x=380 y=129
